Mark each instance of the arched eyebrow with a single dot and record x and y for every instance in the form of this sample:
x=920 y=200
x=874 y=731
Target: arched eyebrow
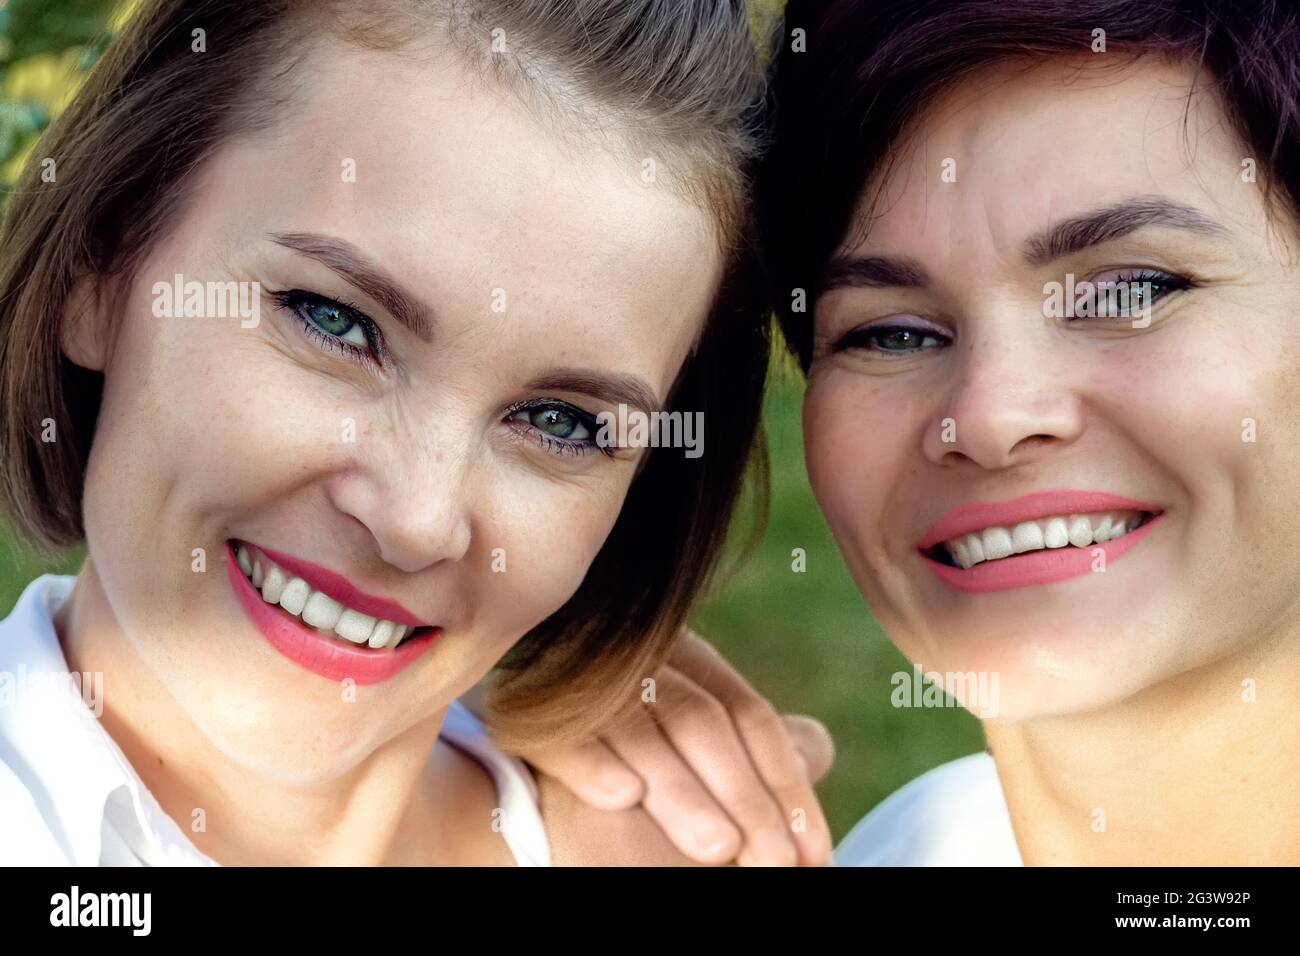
x=1114 y=222
x=613 y=388
x=356 y=268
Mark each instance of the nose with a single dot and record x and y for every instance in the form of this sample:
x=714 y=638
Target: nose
x=1011 y=400
x=416 y=503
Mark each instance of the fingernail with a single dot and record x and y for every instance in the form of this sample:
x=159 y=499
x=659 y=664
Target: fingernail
x=714 y=841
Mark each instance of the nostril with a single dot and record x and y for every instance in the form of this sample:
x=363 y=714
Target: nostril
x=1032 y=442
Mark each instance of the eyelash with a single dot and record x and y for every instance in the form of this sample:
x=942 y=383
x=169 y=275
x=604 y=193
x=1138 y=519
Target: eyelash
x=294 y=300
x=554 y=443
x=868 y=337
x=1167 y=281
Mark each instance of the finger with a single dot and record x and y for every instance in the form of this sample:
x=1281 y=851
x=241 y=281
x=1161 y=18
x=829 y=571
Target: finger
x=771 y=747
x=674 y=796
x=595 y=774
x=701 y=730
x=813 y=742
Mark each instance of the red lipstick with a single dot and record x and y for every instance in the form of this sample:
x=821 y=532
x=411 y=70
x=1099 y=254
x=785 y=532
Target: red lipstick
x=330 y=657
x=342 y=590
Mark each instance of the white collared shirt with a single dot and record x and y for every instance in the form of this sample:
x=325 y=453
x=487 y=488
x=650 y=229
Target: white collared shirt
x=69 y=796
x=954 y=815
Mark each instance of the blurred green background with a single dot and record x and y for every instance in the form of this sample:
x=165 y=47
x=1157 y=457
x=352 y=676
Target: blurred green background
x=806 y=640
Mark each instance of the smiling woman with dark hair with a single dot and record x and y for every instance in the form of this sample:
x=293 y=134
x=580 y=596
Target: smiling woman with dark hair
x=1094 y=504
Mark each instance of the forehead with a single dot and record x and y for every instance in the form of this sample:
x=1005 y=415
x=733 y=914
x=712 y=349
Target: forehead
x=1015 y=147
x=451 y=182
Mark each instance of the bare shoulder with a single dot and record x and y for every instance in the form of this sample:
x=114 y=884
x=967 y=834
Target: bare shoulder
x=582 y=835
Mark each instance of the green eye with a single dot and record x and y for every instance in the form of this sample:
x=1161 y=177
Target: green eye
x=1124 y=294
x=335 y=319
x=557 y=426
x=899 y=340
x=333 y=325
x=896 y=339
x=556 y=422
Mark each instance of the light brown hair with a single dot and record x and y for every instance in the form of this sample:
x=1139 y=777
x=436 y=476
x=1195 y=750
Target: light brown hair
x=682 y=74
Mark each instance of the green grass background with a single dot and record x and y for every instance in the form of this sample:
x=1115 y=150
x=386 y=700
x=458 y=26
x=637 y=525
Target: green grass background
x=805 y=640
x=808 y=642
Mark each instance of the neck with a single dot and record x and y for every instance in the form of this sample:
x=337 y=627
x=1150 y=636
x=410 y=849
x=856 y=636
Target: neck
x=1191 y=772
x=395 y=807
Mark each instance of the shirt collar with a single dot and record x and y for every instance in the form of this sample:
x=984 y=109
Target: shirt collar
x=58 y=746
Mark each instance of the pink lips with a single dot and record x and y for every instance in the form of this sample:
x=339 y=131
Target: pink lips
x=329 y=657
x=1044 y=566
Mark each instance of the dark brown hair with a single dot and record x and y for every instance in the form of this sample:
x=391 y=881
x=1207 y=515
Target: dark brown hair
x=681 y=73
x=870 y=68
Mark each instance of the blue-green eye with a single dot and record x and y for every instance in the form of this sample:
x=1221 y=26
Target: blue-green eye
x=332 y=324
x=1125 y=293
x=891 y=339
x=557 y=422
x=557 y=426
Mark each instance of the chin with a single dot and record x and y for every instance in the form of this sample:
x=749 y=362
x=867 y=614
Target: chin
x=1026 y=672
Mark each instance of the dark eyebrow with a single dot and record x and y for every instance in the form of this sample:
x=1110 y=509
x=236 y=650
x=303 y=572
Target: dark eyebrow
x=873 y=271
x=1114 y=222
x=611 y=387
x=349 y=262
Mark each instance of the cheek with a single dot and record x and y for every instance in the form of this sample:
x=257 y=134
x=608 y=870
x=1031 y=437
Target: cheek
x=1217 y=411
x=539 y=541
x=856 y=440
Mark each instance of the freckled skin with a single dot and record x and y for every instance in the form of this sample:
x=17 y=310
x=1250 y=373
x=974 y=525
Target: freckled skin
x=210 y=431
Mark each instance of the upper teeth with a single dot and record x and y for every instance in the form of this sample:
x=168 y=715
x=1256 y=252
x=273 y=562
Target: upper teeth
x=1054 y=532
x=313 y=607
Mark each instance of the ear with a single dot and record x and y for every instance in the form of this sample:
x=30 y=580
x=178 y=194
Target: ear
x=83 y=332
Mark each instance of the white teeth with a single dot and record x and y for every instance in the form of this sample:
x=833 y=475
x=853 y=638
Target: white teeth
x=353 y=625
x=996 y=542
x=273 y=585
x=322 y=611
x=1026 y=536
x=315 y=608
x=294 y=597
x=382 y=635
x=1056 y=535
x=1080 y=531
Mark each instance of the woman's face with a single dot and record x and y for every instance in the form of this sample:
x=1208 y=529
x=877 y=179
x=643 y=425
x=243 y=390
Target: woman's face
x=453 y=471
x=947 y=379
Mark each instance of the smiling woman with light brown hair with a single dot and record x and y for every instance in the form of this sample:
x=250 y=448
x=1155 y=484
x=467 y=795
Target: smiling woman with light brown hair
x=326 y=487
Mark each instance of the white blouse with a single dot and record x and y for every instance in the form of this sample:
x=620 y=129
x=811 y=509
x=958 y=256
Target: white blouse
x=954 y=815
x=68 y=795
